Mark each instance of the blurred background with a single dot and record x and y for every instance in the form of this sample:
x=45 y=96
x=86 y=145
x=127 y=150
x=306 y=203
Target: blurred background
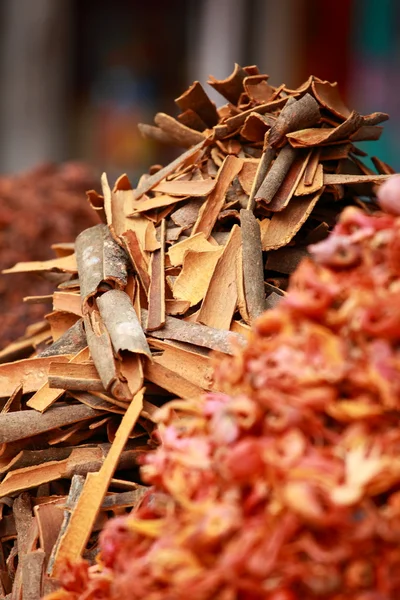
x=78 y=75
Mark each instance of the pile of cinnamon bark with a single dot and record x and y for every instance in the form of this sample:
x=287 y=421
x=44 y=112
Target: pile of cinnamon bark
x=176 y=271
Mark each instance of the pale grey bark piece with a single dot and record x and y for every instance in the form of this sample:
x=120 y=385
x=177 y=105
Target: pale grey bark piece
x=253 y=268
x=100 y=347
x=122 y=323
x=100 y=259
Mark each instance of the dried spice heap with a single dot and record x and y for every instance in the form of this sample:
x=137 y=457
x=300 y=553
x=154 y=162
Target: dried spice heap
x=37 y=208
x=177 y=268
x=285 y=484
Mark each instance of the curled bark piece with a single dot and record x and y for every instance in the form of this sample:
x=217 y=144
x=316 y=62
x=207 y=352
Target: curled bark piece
x=122 y=323
x=182 y=135
x=100 y=259
x=196 y=99
x=276 y=174
x=296 y=114
x=253 y=268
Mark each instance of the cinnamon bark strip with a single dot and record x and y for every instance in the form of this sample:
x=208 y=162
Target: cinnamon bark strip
x=76 y=536
x=328 y=96
x=253 y=269
x=285 y=260
x=189 y=156
x=30 y=372
x=156 y=314
x=212 y=206
x=285 y=224
x=367 y=133
x=382 y=167
x=138 y=258
x=316 y=137
x=290 y=183
x=177 y=187
x=197 y=334
x=332 y=178
x=276 y=174
x=316 y=184
x=195 y=99
x=182 y=135
x=171 y=381
x=295 y=115
x=232 y=86
x=311 y=167
x=65 y=264
x=191 y=119
x=197 y=270
x=68 y=302
x=235 y=122
x=74 y=376
x=100 y=259
x=264 y=165
x=256 y=126
x=27 y=423
x=71 y=342
x=46 y=396
x=220 y=301
x=155 y=133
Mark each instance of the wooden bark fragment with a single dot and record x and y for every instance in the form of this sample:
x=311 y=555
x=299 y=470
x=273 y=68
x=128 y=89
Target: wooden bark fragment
x=311 y=168
x=99 y=343
x=183 y=136
x=95 y=487
x=332 y=178
x=46 y=396
x=195 y=367
x=191 y=188
x=138 y=258
x=295 y=115
x=382 y=167
x=195 y=243
x=317 y=183
x=67 y=302
x=232 y=86
x=328 y=96
x=235 y=122
x=171 y=381
x=276 y=174
x=31 y=373
x=285 y=224
x=100 y=259
x=122 y=323
x=163 y=200
x=198 y=268
x=290 y=183
x=197 y=334
x=196 y=100
x=256 y=126
x=210 y=209
x=32 y=574
x=253 y=271
x=219 y=304
x=66 y=264
x=188 y=156
x=264 y=165
x=27 y=423
x=367 y=133
x=73 y=376
x=316 y=137
x=156 y=314
x=71 y=342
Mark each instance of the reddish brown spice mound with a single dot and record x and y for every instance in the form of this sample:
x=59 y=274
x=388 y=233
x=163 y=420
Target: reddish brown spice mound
x=37 y=208
x=286 y=484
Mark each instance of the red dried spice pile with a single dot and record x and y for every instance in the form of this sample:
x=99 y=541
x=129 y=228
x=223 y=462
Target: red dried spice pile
x=286 y=484
x=37 y=208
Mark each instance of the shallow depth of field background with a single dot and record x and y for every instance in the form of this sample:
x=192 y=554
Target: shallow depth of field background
x=77 y=75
